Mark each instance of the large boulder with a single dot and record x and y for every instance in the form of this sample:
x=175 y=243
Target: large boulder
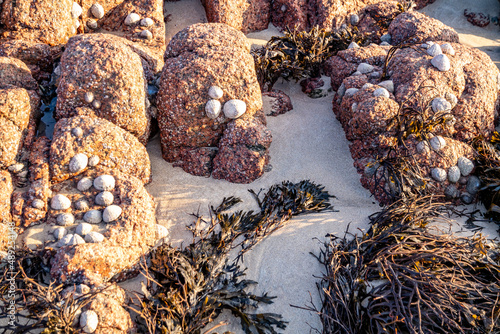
x=104 y=70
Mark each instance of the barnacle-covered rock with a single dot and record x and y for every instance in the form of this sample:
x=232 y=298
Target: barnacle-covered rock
x=276 y=102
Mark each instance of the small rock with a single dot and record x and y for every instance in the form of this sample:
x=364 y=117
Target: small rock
x=38 y=204
x=65 y=219
x=437 y=143
x=59 y=233
x=111 y=213
x=440 y=104
x=77 y=132
x=89 y=97
x=97 y=10
x=448 y=49
x=465 y=165
x=146 y=34
x=354 y=19
x=161 y=232
x=83 y=229
x=213 y=109
x=84 y=184
x=387 y=84
x=451 y=191
x=147 y=22
x=351 y=91
x=367 y=85
x=104 y=182
x=466 y=198
x=434 y=50
x=473 y=185
x=92 y=24
x=430 y=43
x=64 y=240
x=385 y=44
x=438 y=174
x=234 y=108
x=356 y=74
x=454 y=174
x=341 y=90
x=462 y=180
x=132 y=18
x=423 y=147
x=354 y=107
x=94 y=237
x=452 y=99
x=386 y=38
x=89 y=321
x=441 y=62
x=215 y=92
x=374 y=75
x=82 y=205
x=76 y=10
x=16 y=168
x=353 y=45
x=381 y=92
x=96 y=104
x=71 y=240
x=93 y=216
x=94 y=161
x=365 y=68
x=104 y=198
x=60 y=202
x=78 y=163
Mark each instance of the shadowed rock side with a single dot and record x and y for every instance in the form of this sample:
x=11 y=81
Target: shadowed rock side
x=198 y=58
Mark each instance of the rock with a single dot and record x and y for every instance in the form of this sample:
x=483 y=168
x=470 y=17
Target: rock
x=353 y=45
x=450 y=97
x=94 y=237
x=70 y=240
x=451 y=191
x=381 y=92
x=196 y=161
x=104 y=198
x=146 y=34
x=78 y=163
x=473 y=185
x=454 y=174
x=92 y=24
x=89 y=97
x=38 y=204
x=276 y=103
x=161 y=232
x=89 y=321
x=94 y=160
x=354 y=20
x=385 y=44
x=213 y=109
x=434 y=50
x=364 y=68
x=215 y=92
x=82 y=205
x=386 y=38
x=104 y=182
x=111 y=213
x=350 y=92
x=76 y=10
x=354 y=107
x=97 y=10
x=84 y=184
x=466 y=166
x=466 y=198
x=439 y=105
x=147 y=22
x=441 y=62
x=234 y=108
x=65 y=219
x=246 y=15
x=387 y=84
x=83 y=229
x=477 y=19
x=437 y=143
x=423 y=147
x=93 y=216
x=131 y=19
x=310 y=85
x=438 y=174
x=60 y=202
x=447 y=48
x=77 y=132
x=59 y=233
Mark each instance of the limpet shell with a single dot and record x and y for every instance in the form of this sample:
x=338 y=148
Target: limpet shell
x=60 y=202
x=111 y=213
x=78 y=163
x=104 y=182
x=93 y=216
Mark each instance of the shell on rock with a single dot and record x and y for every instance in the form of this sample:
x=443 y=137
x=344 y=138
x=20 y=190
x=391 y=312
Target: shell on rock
x=448 y=49
x=381 y=92
x=213 y=109
x=438 y=174
x=365 y=68
x=354 y=107
x=423 y=147
x=452 y=98
x=387 y=84
x=440 y=104
x=437 y=143
x=16 y=168
x=59 y=233
x=83 y=229
x=65 y=219
x=76 y=10
x=234 y=108
x=104 y=182
x=93 y=216
x=94 y=237
x=89 y=321
x=94 y=160
x=92 y=24
x=434 y=50
x=215 y=92
x=78 y=163
x=71 y=240
x=451 y=191
x=453 y=174
x=89 y=97
x=465 y=165
x=441 y=62
x=147 y=22
x=38 y=204
x=60 y=202
x=104 y=198
x=96 y=104
x=132 y=18
x=367 y=85
x=353 y=45
x=351 y=91
x=111 y=213
x=161 y=232
x=354 y=19
x=82 y=205
x=77 y=132
x=473 y=185
x=84 y=184
x=97 y=10
x=146 y=34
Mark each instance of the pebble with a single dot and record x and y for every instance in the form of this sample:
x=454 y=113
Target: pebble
x=234 y=108
x=451 y=191
x=448 y=49
x=452 y=99
x=65 y=219
x=89 y=321
x=212 y=109
x=215 y=92
x=104 y=182
x=441 y=62
x=161 y=232
x=70 y=240
x=354 y=107
x=16 y=168
x=104 y=198
x=367 y=85
x=353 y=45
x=381 y=92
x=375 y=75
x=94 y=237
x=454 y=174
x=60 y=202
x=354 y=19
x=440 y=104
x=76 y=10
x=84 y=184
x=92 y=24
x=434 y=50
x=465 y=165
x=355 y=74
x=473 y=185
x=365 y=68
x=423 y=147
x=387 y=84
x=89 y=97
x=38 y=204
x=385 y=44
x=78 y=163
x=146 y=34
x=466 y=198
x=147 y=22
x=437 y=143
x=97 y=10
x=59 y=233
x=94 y=161
x=111 y=213
x=96 y=104
x=438 y=174
x=93 y=216
x=351 y=91
x=83 y=229
x=132 y=18
x=77 y=132
x=386 y=38
x=82 y=205
x=341 y=90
